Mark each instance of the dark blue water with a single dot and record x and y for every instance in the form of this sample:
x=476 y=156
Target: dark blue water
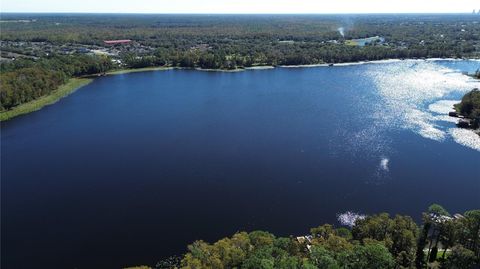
x=133 y=167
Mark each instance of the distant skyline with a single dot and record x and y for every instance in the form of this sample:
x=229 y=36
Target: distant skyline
x=243 y=6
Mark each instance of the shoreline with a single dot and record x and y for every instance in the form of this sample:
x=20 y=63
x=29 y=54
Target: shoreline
x=64 y=90
x=165 y=68
x=377 y=62
x=267 y=67
x=135 y=70
x=75 y=83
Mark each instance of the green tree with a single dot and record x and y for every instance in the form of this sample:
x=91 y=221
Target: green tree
x=344 y=232
x=449 y=235
x=470 y=106
x=322 y=258
x=373 y=255
x=323 y=231
x=261 y=239
x=260 y=258
x=470 y=231
x=287 y=262
x=422 y=241
x=438 y=216
x=201 y=256
x=461 y=258
x=398 y=234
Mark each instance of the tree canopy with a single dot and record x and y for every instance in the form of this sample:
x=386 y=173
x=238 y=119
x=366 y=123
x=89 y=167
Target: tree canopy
x=470 y=106
x=378 y=241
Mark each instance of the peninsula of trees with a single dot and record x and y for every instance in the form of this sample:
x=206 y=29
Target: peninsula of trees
x=469 y=107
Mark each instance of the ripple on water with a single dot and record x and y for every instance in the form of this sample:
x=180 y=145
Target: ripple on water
x=446 y=118
x=349 y=218
x=421 y=123
x=415 y=96
x=384 y=164
x=407 y=87
x=443 y=106
x=466 y=137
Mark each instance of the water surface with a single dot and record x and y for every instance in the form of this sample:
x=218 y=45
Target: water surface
x=133 y=167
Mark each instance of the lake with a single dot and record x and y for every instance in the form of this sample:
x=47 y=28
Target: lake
x=133 y=167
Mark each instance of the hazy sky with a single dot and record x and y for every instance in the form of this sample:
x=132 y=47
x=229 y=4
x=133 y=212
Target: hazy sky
x=241 y=6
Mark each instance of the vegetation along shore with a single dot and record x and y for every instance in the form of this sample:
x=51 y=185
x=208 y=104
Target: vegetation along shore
x=469 y=111
x=72 y=85
x=49 y=52
x=99 y=66
x=443 y=240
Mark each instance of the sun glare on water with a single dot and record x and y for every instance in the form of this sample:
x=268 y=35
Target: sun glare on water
x=415 y=97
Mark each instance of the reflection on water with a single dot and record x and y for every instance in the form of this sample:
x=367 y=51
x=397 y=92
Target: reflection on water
x=349 y=218
x=384 y=164
x=443 y=106
x=409 y=87
x=465 y=137
x=134 y=167
x=415 y=96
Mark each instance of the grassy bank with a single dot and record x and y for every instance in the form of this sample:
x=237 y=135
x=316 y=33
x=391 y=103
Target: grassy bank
x=72 y=85
x=64 y=90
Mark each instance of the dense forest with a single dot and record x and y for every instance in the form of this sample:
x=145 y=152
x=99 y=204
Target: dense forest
x=24 y=80
x=269 y=39
x=376 y=241
x=58 y=46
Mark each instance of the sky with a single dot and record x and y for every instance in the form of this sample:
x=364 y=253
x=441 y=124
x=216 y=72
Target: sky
x=241 y=6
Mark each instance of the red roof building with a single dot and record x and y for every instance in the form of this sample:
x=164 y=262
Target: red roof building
x=116 y=42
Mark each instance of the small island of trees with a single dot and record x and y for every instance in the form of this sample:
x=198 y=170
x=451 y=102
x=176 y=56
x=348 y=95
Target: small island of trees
x=469 y=107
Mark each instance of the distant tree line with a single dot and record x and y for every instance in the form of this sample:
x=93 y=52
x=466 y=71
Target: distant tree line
x=277 y=55
x=219 y=42
x=244 y=40
x=377 y=241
